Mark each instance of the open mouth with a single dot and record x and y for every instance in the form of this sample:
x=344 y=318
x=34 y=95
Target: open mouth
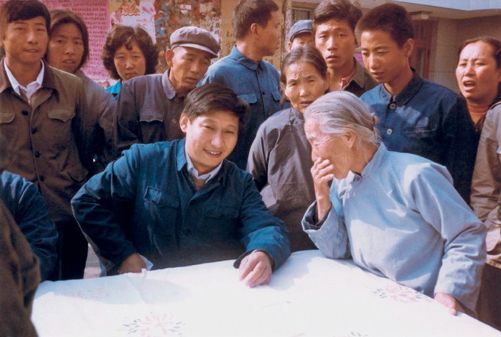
x=215 y=154
x=468 y=84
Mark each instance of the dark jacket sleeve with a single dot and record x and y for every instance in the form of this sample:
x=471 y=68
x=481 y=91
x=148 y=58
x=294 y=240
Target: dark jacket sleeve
x=461 y=147
x=19 y=278
x=260 y=229
x=30 y=212
x=98 y=206
x=126 y=123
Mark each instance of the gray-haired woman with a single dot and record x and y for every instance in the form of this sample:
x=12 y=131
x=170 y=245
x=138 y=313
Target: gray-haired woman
x=396 y=214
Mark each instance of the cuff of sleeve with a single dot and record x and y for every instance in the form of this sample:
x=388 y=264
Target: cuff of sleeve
x=310 y=221
x=237 y=262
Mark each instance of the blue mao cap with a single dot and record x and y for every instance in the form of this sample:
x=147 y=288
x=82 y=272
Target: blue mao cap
x=300 y=27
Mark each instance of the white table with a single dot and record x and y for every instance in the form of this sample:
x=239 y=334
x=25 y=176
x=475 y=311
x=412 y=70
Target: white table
x=309 y=296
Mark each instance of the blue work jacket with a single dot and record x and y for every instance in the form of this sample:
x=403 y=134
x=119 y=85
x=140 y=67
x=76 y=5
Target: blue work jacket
x=145 y=202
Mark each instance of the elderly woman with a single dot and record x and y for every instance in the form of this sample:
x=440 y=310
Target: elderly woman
x=128 y=52
x=479 y=78
x=396 y=214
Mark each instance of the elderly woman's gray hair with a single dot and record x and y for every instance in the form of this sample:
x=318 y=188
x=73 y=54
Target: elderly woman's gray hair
x=341 y=111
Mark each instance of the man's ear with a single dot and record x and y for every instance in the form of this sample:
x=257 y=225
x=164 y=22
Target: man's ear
x=184 y=121
x=169 y=55
x=408 y=47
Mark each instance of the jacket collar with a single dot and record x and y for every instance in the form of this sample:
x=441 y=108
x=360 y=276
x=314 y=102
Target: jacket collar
x=244 y=60
x=410 y=90
x=48 y=78
x=170 y=92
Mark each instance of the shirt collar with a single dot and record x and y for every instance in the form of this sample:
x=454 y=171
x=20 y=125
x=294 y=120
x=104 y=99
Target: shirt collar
x=32 y=87
x=407 y=93
x=359 y=77
x=244 y=60
x=183 y=159
x=375 y=162
x=170 y=92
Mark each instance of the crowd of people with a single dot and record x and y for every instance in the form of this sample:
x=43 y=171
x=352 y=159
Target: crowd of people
x=234 y=159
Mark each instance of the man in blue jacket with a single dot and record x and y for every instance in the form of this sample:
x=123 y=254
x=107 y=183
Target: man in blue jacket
x=180 y=202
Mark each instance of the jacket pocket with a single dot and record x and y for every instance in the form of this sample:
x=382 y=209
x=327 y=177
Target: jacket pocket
x=222 y=211
x=149 y=116
x=276 y=95
x=160 y=198
x=62 y=115
x=249 y=98
x=7 y=117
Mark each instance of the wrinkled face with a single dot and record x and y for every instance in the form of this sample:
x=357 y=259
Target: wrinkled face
x=335 y=148
x=300 y=40
x=210 y=138
x=477 y=74
x=336 y=41
x=304 y=84
x=25 y=41
x=268 y=36
x=129 y=62
x=187 y=67
x=66 y=48
x=383 y=57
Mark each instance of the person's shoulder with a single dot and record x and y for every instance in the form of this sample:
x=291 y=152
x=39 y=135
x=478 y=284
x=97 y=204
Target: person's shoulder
x=438 y=90
x=63 y=78
x=371 y=94
x=234 y=174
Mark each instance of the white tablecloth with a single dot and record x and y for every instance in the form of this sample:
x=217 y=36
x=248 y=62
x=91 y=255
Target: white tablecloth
x=309 y=296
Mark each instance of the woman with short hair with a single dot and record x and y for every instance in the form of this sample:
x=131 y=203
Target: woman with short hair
x=396 y=214
x=127 y=53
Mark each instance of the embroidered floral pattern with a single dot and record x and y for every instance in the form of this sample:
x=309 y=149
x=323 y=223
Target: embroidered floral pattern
x=399 y=293
x=154 y=325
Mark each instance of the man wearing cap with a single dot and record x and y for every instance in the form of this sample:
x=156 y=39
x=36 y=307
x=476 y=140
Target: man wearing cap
x=334 y=24
x=257 y=26
x=301 y=33
x=148 y=107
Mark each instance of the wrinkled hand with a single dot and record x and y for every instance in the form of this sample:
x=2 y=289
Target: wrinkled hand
x=255 y=269
x=448 y=301
x=322 y=173
x=133 y=264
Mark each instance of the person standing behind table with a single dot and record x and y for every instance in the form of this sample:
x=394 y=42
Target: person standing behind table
x=479 y=79
x=256 y=24
x=128 y=52
x=415 y=115
x=48 y=128
x=334 y=24
x=280 y=156
x=68 y=50
x=300 y=34
x=186 y=203
x=396 y=214
x=149 y=107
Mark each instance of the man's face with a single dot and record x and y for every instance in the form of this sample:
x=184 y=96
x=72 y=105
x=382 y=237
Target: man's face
x=300 y=40
x=187 y=66
x=336 y=41
x=66 y=47
x=210 y=138
x=268 y=36
x=25 y=41
x=383 y=57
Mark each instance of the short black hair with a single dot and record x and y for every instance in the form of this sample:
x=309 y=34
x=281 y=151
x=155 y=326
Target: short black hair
x=248 y=12
x=15 y=10
x=390 y=18
x=212 y=97
x=340 y=10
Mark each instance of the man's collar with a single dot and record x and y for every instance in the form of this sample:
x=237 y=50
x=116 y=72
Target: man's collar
x=244 y=60
x=407 y=93
x=182 y=159
x=194 y=172
x=170 y=92
x=38 y=82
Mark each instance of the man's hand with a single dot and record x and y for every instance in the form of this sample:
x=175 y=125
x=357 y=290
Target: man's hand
x=133 y=264
x=255 y=269
x=450 y=302
x=322 y=173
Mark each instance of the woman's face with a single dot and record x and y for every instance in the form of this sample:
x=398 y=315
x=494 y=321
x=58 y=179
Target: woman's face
x=66 y=48
x=477 y=74
x=303 y=85
x=129 y=62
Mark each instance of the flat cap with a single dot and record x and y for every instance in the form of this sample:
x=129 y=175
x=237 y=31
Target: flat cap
x=300 y=27
x=195 y=37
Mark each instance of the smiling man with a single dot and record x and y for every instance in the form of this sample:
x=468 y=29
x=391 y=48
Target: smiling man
x=149 y=107
x=415 y=115
x=180 y=202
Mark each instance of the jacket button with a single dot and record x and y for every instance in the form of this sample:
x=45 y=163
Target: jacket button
x=42 y=178
x=25 y=113
x=34 y=130
x=389 y=132
x=37 y=154
x=187 y=232
x=393 y=106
